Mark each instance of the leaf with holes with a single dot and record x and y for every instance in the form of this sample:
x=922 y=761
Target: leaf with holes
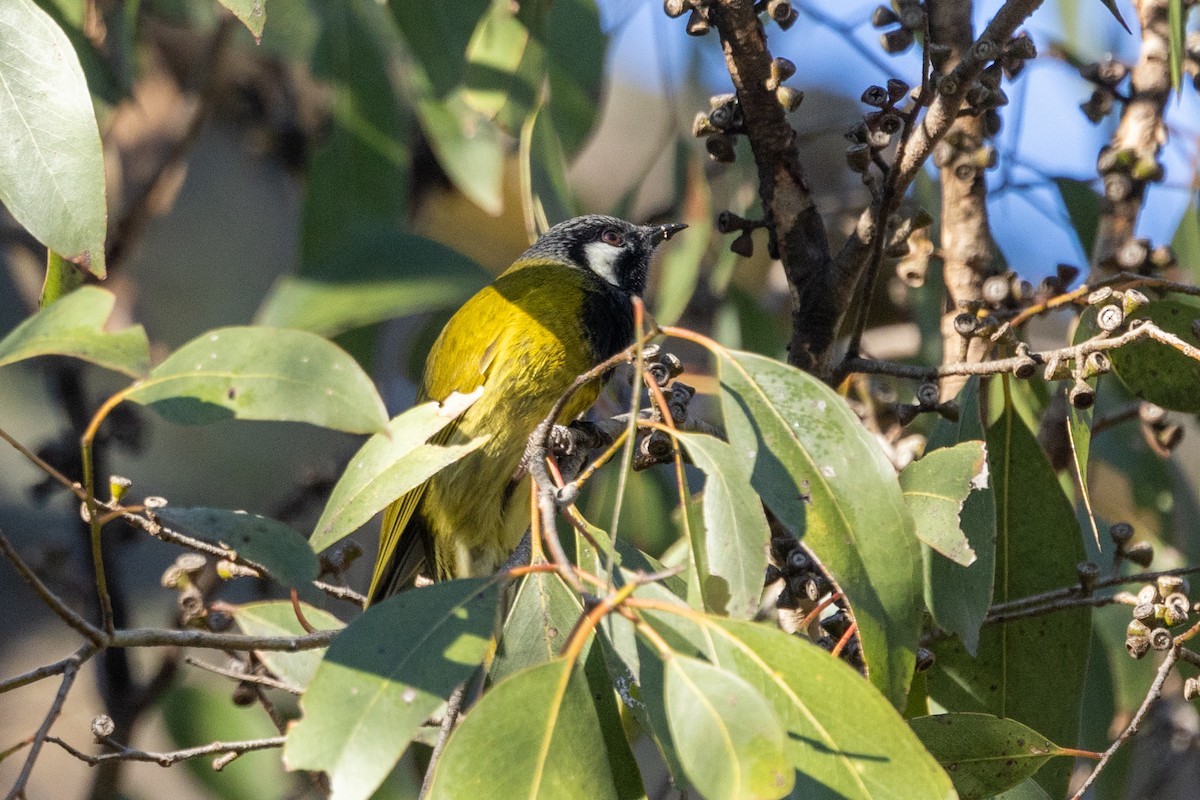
x=936 y=487
x=264 y=374
x=383 y=676
x=74 y=326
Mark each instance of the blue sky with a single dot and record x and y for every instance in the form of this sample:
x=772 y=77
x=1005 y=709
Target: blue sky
x=1045 y=135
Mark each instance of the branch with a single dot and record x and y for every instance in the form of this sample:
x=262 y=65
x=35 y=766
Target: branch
x=244 y=677
x=159 y=637
x=57 y=668
x=1155 y=692
x=87 y=629
x=69 y=672
x=169 y=758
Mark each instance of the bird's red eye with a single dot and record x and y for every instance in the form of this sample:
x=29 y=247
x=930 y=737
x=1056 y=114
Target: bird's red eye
x=612 y=237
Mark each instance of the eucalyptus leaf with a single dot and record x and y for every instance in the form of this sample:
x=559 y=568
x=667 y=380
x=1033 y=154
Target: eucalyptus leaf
x=1027 y=669
x=729 y=740
x=383 y=676
x=825 y=477
x=377 y=274
x=437 y=34
x=264 y=374
x=936 y=486
x=389 y=465
x=74 y=326
x=51 y=165
x=958 y=597
x=1158 y=373
x=534 y=735
x=538 y=625
x=278 y=548
x=733 y=551
x=278 y=618
x=252 y=13
x=983 y=754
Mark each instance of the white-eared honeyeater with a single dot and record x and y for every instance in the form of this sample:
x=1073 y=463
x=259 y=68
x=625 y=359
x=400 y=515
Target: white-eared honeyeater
x=562 y=308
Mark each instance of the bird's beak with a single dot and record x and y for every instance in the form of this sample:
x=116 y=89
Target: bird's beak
x=660 y=233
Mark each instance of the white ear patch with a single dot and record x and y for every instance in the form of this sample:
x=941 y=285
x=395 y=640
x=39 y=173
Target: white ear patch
x=602 y=260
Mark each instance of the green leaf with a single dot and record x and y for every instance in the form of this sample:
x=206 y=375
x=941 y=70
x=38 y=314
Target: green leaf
x=279 y=549
x=1027 y=789
x=389 y=465
x=936 y=487
x=468 y=147
x=74 y=326
x=732 y=555
x=535 y=735
x=495 y=54
x=816 y=466
x=62 y=278
x=278 y=618
x=264 y=374
x=252 y=13
x=1159 y=373
x=384 y=675
x=437 y=35
x=538 y=626
x=51 y=166
x=679 y=269
x=728 y=737
x=197 y=715
x=575 y=58
x=1111 y=5
x=1176 y=31
x=1079 y=430
x=359 y=179
x=377 y=275
x=1030 y=669
x=984 y=754
x=1186 y=242
x=836 y=756
x=1083 y=207
x=957 y=596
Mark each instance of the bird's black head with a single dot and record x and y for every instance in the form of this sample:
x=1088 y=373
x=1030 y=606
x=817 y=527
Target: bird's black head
x=616 y=250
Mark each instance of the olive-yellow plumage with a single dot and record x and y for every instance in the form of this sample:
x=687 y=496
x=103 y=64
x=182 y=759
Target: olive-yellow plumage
x=563 y=307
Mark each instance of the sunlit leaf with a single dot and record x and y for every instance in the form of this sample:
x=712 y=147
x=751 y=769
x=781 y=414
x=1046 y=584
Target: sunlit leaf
x=815 y=466
x=957 y=596
x=252 y=13
x=468 y=147
x=437 y=34
x=728 y=737
x=376 y=275
x=278 y=618
x=1027 y=669
x=74 y=326
x=983 y=754
x=383 y=676
x=388 y=465
x=51 y=166
x=264 y=374
x=1176 y=31
x=936 y=487
x=732 y=548
x=62 y=278
x=534 y=735
x=277 y=547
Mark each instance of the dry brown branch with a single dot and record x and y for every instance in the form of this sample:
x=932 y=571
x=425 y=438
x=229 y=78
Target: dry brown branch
x=69 y=672
x=66 y=614
x=171 y=757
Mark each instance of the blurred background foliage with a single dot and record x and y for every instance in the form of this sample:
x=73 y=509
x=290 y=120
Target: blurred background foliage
x=358 y=168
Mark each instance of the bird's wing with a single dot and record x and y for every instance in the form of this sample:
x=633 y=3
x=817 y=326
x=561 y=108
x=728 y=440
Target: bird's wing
x=403 y=555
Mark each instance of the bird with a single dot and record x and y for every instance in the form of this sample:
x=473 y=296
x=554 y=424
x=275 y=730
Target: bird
x=563 y=307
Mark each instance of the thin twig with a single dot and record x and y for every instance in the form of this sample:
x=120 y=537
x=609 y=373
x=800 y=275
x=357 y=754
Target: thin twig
x=247 y=677
x=57 y=668
x=1155 y=692
x=1048 y=607
x=39 y=738
x=1077 y=589
x=68 y=615
x=449 y=720
x=158 y=637
x=168 y=758
x=43 y=465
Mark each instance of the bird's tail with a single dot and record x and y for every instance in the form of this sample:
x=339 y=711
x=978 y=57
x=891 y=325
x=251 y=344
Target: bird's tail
x=405 y=548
